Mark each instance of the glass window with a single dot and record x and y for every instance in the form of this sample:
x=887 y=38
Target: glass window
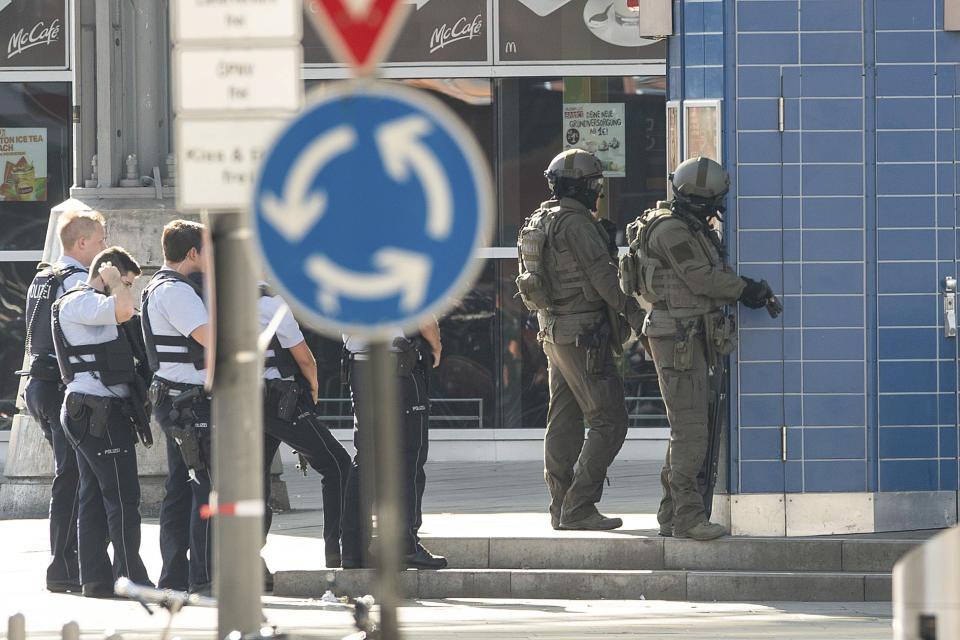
x=35 y=159
x=463 y=389
x=524 y=387
x=530 y=120
x=493 y=373
x=15 y=278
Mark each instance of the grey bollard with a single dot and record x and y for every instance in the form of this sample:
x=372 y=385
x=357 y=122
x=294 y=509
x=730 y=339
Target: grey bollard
x=926 y=590
x=71 y=631
x=16 y=627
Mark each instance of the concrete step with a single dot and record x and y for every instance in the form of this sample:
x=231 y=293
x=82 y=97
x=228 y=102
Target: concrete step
x=619 y=552
x=821 y=586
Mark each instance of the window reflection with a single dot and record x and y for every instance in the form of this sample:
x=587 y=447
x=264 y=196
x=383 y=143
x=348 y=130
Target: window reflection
x=524 y=383
x=15 y=278
x=530 y=122
x=493 y=373
x=40 y=108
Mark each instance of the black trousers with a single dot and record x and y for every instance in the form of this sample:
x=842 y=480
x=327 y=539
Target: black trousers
x=415 y=413
x=322 y=451
x=44 y=400
x=181 y=527
x=109 y=509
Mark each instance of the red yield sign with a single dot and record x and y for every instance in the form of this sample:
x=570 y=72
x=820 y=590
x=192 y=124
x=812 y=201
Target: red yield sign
x=357 y=35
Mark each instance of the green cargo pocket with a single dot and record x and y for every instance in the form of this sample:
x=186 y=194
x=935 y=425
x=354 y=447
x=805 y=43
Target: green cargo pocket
x=680 y=390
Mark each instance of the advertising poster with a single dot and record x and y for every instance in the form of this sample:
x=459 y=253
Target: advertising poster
x=701 y=134
x=33 y=34
x=597 y=127
x=23 y=159
x=573 y=30
x=434 y=31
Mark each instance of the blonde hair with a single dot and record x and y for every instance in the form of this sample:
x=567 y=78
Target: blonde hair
x=74 y=225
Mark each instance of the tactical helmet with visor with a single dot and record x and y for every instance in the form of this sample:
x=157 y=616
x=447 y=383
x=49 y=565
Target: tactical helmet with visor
x=700 y=185
x=576 y=174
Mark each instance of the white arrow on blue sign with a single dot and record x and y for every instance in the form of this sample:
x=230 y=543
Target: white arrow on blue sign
x=370 y=209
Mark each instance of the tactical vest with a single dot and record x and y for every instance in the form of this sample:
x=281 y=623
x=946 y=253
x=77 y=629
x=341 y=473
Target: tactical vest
x=532 y=283
x=644 y=274
x=194 y=351
x=282 y=358
x=551 y=269
x=113 y=361
x=40 y=298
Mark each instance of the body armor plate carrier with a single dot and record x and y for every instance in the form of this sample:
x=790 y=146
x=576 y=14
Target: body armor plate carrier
x=282 y=359
x=112 y=361
x=194 y=353
x=40 y=297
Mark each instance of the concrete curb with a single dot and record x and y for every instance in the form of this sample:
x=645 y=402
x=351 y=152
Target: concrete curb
x=727 y=586
x=655 y=553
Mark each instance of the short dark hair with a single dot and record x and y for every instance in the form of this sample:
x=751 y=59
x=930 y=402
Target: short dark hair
x=179 y=236
x=118 y=257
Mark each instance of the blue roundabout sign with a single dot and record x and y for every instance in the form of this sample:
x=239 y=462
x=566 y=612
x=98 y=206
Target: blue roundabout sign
x=370 y=209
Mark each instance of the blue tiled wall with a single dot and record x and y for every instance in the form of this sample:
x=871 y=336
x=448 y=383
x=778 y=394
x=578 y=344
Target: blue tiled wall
x=696 y=60
x=850 y=214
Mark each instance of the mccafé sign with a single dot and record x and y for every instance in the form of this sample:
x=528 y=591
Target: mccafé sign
x=33 y=34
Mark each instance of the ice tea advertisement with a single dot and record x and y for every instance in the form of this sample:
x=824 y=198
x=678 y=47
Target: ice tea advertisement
x=33 y=34
x=23 y=157
x=599 y=128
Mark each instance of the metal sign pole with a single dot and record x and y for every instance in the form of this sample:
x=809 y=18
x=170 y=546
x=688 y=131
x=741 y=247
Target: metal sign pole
x=238 y=429
x=388 y=482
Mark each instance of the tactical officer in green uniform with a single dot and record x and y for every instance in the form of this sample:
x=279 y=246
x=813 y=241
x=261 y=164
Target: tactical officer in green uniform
x=568 y=274
x=677 y=264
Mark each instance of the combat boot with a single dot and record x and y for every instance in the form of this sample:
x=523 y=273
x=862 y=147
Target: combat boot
x=593 y=522
x=704 y=530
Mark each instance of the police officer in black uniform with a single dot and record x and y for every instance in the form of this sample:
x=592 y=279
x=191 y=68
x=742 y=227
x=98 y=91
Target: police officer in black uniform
x=414 y=358
x=291 y=390
x=82 y=237
x=176 y=331
x=96 y=361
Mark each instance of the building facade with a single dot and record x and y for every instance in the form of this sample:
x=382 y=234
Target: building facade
x=837 y=120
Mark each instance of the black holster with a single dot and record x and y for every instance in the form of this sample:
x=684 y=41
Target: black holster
x=596 y=343
x=157 y=392
x=189 y=445
x=92 y=411
x=182 y=413
x=286 y=395
x=408 y=356
x=44 y=368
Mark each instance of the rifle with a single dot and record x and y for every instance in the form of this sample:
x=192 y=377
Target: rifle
x=716 y=417
x=138 y=407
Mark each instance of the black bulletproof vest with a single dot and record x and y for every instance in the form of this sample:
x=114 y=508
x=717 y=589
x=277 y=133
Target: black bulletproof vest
x=282 y=359
x=40 y=297
x=194 y=353
x=112 y=361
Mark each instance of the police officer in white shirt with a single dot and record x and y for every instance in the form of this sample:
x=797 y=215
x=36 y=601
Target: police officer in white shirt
x=176 y=332
x=290 y=375
x=97 y=363
x=414 y=358
x=82 y=237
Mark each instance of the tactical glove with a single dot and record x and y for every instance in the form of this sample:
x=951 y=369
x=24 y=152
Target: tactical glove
x=755 y=294
x=774 y=306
